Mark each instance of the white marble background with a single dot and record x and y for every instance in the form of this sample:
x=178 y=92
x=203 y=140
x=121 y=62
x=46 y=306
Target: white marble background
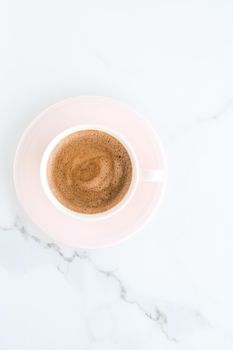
x=169 y=287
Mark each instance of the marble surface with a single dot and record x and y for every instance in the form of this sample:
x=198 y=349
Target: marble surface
x=169 y=287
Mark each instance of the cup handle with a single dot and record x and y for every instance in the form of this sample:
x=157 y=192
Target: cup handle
x=151 y=175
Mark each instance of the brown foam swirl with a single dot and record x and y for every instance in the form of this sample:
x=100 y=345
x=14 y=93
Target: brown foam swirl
x=89 y=171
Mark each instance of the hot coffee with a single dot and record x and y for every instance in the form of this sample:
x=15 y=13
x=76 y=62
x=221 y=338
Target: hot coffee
x=89 y=171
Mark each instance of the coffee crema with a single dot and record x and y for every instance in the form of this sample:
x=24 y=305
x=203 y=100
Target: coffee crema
x=89 y=171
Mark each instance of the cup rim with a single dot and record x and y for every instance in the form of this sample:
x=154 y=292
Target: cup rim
x=96 y=216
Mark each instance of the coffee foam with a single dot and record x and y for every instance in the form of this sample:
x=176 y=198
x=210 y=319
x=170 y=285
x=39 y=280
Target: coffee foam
x=89 y=171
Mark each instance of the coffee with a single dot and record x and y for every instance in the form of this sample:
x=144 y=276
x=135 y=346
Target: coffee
x=89 y=171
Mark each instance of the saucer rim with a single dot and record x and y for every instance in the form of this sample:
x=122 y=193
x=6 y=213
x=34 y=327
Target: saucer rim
x=145 y=220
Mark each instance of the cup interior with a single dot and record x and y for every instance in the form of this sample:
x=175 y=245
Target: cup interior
x=44 y=180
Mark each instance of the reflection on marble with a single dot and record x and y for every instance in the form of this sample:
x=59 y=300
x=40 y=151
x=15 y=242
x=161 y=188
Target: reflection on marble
x=170 y=286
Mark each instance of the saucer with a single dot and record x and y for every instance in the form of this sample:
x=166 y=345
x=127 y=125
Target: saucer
x=73 y=231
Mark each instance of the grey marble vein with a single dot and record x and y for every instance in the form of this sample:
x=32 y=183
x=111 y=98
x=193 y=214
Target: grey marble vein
x=159 y=318
x=156 y=316
x=219 y=114
x=184 y=128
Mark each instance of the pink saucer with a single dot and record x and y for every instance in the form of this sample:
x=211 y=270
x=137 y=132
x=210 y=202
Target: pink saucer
x=87 y=110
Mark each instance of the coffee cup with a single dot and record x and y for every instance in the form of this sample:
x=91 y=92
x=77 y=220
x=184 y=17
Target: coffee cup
x=138 y=174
